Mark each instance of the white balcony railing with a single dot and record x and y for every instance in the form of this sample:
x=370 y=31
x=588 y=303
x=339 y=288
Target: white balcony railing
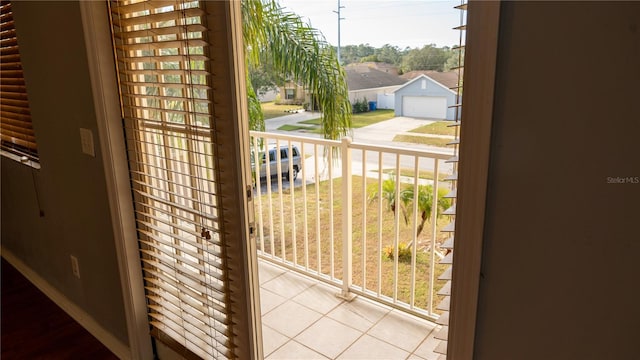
x=344 y=221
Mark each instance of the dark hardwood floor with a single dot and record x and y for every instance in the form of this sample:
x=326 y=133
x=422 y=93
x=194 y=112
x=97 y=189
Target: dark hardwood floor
x=34 y=327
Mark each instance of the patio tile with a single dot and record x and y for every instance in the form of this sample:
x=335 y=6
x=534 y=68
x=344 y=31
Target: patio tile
x=272 y=340
x=416 y=357
x=290 y=318
x=268 y=271
x=293 y=350
x=269 y=300
x=328 y=337
x=288 y=285
x=425 y=350
x=303 y=319
x=359 y=314
x=402 y=330
x=368 y=347
x=320 y=297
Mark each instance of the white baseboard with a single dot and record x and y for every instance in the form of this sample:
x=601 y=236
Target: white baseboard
x=106 y=338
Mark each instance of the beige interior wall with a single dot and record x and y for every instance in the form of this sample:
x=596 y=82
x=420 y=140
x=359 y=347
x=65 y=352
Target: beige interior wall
x=561 y=257
x=70 y=186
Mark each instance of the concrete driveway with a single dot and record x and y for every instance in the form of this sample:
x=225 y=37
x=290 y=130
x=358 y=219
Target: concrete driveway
x=388 y=129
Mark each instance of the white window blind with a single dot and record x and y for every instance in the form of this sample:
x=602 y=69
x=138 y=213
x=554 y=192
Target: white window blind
x=16 y=131
x=166 y=93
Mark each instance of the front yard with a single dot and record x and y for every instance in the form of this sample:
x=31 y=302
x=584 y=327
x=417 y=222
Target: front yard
x=271 y=110
x=436 y=128
x=358 y=121
x=444 y=134
x=321 y=244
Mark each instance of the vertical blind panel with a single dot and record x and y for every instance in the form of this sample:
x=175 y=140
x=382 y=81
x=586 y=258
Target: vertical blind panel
x=16 y=132
x=165 y=94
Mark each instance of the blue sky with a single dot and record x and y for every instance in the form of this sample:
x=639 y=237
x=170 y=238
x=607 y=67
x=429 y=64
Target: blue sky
x=412 y=23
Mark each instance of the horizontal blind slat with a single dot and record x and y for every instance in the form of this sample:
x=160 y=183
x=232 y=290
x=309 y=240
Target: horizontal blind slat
x=198 y=327
x=158 y=45
x=166 y=202
x=156 y=18
x=14 y=109
x=204 y=256
x=21 y=121
x=162 y=58
x=163 y=256
x=17 y=133
x=143 y=5
x=187 y=278
x=167 y=30
x=15 y=105
x=161 y=281
x=147 y=125
x=195 y=308
x=158 y=178
x=166 y=232
x=13 y=140
x=201 y=214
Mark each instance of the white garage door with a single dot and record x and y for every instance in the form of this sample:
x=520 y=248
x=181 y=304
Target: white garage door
x=424 y=107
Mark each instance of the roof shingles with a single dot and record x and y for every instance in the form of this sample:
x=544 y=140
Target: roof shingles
x=365 y=77
x=448 y=79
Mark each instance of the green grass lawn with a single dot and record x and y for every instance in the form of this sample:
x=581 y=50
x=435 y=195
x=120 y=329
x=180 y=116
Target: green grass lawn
x=423 y=140
x=371 y=117
x=422 y=174
x=437 y=128
x=287 y=127
x=315 y=121
x=358 y=120
x=271 y=110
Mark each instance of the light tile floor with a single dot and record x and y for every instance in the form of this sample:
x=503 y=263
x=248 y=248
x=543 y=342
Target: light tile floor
x=303 y=319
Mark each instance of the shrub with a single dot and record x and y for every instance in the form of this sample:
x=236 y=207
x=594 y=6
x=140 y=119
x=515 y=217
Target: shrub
x=360 y=106
x=404 y=252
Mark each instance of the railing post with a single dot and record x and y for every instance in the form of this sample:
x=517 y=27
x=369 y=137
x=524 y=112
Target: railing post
x=347 y=225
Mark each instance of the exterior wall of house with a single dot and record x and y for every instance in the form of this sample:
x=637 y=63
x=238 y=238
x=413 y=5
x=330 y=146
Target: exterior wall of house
x=269 y=95
x=70 y=187
x=371 y=94
x=299 y=94
x=432 y=89
x=386 y=101
x=561 y=237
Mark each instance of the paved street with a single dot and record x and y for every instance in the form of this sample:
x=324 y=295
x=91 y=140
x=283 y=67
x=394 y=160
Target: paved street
x=379 y=134
x=272 y=125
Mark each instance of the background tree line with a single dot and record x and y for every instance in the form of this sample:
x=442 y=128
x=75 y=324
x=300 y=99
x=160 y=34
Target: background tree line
x=429 y=57
x=265 y=76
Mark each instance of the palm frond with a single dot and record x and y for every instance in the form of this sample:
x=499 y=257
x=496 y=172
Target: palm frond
x=256 y=117
x=300 y=51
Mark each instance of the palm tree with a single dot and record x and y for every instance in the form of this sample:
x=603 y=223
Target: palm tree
x=424 y=203
x=406 y=200
x=300 y=51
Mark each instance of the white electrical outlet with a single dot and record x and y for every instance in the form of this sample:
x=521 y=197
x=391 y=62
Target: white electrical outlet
x=86 y=140
x=75 y=267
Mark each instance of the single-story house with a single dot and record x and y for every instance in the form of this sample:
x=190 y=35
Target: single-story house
x=292 y=93
x=365 y=81
x=425 y=97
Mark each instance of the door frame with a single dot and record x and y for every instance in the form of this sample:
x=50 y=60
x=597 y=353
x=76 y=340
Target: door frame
x=475 y=139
